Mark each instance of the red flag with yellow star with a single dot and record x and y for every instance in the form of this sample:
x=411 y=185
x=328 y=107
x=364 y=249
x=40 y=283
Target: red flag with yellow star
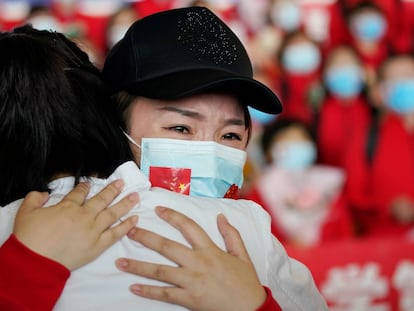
x=173 y=179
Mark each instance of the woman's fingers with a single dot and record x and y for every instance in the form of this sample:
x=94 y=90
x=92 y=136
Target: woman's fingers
x=103 y=198
x=172 y=250
x=232 y=239
x=113 y=234
x=78 y=194
x=108 y=216
x=33 y=200
x=164 y=273
x=192 y=232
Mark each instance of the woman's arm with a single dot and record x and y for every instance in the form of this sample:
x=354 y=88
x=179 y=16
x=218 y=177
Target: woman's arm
x=49 y=242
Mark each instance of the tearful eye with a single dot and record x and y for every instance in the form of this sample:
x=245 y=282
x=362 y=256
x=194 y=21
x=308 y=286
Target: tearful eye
x=232 y=136
x=179 y=129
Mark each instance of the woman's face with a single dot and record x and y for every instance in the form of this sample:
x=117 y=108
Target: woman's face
x=207 y=117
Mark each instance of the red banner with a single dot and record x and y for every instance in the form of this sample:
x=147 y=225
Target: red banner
x=364 y=274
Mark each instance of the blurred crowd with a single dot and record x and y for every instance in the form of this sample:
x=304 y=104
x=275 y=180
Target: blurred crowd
x=339 y=161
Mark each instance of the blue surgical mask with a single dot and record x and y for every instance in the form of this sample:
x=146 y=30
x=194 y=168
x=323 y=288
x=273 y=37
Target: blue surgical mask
x=344 y=82
x=399 y=95
x=294 y=155
x=370 y=27
x=301 y=58
x=286 y=15
x=214 y=167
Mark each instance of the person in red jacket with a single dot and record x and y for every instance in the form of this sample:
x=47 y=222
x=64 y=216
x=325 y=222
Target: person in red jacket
x=305 y=199
x=300 y=59
x=380 y=164
x=368 y=25
x=345 y=111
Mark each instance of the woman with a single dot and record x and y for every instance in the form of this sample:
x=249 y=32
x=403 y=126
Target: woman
x=69 y=124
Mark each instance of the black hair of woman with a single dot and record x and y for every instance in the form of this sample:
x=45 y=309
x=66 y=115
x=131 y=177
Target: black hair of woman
x=55 y=115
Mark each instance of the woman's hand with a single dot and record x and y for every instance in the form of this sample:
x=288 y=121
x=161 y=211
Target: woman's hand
x=207 y=278
x=74 y=231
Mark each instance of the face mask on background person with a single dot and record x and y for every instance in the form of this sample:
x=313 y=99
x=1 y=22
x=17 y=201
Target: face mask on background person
x=294 y=155
x=45 y=22
x=213 y=169
x=286 y=15
x=344 y=82
x=399 y=95
x=370 y=27
x=301 y=58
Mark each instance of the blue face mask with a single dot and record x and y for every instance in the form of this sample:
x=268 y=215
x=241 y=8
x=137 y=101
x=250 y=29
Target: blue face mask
x=344 y=82
x=295 y=155
x=286 y=15
x=370 y=27
x=301 y=58
x=400 y=95
x=214 y=167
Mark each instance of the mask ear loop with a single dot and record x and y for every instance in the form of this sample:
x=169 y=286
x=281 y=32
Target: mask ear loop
x=130 y=139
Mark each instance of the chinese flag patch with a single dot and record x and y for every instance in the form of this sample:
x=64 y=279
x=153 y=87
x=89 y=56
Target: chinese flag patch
x=173 y=179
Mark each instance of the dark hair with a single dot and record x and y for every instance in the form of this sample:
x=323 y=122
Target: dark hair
x=351 y=10
x=278 y=126
x=390 y=60
x=55 y=115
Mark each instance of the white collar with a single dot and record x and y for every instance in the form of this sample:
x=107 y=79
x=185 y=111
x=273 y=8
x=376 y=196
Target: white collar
x=128 y=172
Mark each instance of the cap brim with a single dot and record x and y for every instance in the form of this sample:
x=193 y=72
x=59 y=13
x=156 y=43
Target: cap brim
x=186 y=83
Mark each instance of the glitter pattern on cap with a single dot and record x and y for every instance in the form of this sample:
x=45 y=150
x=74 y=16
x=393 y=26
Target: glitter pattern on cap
x=182 y=52
x=200 y=33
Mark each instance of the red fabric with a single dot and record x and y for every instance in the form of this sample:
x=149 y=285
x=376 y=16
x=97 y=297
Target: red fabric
x=296 y=96
x=95 y=29
x=270 y=303
x=373 y=59
x=372 y=186
x=148 y=7
x=338 y=123
x=338 y=28
x=29 y=281
x=402 y=42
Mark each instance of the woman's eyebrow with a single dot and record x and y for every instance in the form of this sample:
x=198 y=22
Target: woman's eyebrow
x=184 y=112
x=235 y=121
x=196 y=115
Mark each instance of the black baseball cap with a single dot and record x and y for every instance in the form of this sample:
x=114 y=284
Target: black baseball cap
x=183 y=52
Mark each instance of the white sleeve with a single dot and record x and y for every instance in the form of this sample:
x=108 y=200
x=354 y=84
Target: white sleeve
x=291 y=281
x=7 y=216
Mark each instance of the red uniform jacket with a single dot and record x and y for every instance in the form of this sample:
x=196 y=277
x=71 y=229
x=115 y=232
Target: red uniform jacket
x=338 y=123
x=374 y=183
